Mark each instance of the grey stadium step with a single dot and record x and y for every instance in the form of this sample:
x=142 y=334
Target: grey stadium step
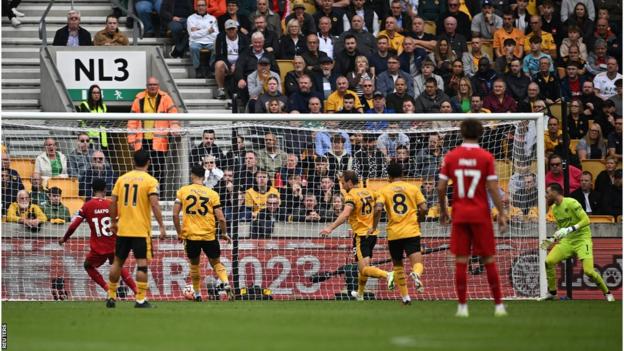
x=21 y=93
x=21 y=82
x=24 y=73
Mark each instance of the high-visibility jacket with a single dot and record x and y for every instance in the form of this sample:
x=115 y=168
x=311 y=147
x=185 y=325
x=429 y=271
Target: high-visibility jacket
x=160 y=141
x=95 y=133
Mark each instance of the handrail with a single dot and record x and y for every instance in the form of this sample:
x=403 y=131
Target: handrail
x=138 y=29
x=173 y=87
x=43 y=35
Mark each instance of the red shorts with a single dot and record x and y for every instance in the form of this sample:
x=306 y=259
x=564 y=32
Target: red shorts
x=95 y=259
x=473 y=239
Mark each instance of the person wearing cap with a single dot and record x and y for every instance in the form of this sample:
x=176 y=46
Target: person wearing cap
x=327 y=77
x=54 y=210
x=305 y=19
x=258 y=80
x=228 y=48
x=547 y=42
x=335 y=15
x=386 y=81
x=232 y=13
x=272 y=19
x=604 y=82
x=202 y=30
x=485 y=23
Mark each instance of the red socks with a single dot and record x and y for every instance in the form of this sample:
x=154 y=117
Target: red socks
x=460 y=281
x=97 y=277
x=125 y=275
x=494 y=281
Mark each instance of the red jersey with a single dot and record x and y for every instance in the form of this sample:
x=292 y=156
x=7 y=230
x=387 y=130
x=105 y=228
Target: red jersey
x=470 y=167
x=97 y=214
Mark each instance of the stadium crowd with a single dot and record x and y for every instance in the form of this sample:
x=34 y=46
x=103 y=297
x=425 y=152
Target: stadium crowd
x=365 y=56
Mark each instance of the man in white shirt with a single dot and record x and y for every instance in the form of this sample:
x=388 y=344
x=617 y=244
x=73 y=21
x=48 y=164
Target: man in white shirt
x=604 y=83
x=203 y=29
x=213 y=175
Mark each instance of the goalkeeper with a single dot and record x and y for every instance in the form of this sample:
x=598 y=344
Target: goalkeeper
x=573 y=237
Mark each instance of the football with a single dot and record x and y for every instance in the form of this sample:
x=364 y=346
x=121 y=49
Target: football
x=188 y=292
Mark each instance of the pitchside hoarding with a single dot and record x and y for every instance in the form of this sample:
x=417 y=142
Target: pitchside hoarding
x=120 y=74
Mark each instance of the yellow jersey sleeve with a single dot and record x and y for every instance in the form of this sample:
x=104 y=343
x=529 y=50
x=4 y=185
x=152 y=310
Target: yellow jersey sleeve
x=198 y=204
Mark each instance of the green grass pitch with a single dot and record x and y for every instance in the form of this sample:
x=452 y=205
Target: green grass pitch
x=312 y=325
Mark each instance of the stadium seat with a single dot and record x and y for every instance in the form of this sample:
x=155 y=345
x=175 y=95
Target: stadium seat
x=573 y=143
x=73 y=204
x=555 y=109
x=601 y=219
x=68 y=185
x=376 y=184
x=27 y=184
x=503 y=169
x=619 y=219
x=285 y=66
x=24 y=166
x=561 y=71
x=430 y=27
x=593 y=166
x=487 y=47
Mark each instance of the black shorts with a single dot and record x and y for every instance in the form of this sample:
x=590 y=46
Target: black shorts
x=140 y=246
x=363 y=246
x=194 y=248
x=407 y=245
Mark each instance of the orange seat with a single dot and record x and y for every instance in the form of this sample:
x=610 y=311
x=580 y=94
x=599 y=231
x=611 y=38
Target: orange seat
x=488 y=48
x=573 y=144
x=618 y=219
x=285 y=66
x=24 y=166
x=73 y=204
x=593 y=166
x=562 y=72
x=503 y=169
x=601 y=219
x=430 y=27
x=27 y=184
x=378 y=183
x=555 y=109
x=69 y=186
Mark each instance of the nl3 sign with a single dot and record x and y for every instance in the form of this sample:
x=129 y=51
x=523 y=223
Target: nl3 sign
x=120 y=74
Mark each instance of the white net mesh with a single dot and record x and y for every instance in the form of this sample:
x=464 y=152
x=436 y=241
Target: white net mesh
x=277 y=250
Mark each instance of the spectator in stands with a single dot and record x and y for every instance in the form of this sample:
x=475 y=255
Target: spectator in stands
x=365 y=41
x=569 y=9
x=273 y=91
x=235 y=157
x=581 y=18
x=271 y=39
x=291 y=80
x=572 y=83
x=98 y=168
x=617 y=98
x=144 y=10
x=553 y=136
x=205 y=148
x=592 y=104
x=502 y=63
x=407 y=165
x=304 y=19
x=38 y=193
x=258 y=80
x=271 y=158
x=429 y=101
x=402 y=11
x=597 y=60
x=338 y=158
x=72 y=35
x=386 y=81
x=525 y=197
x=531 y=62
x=367 y=98
x=604 y=32
x=476 y=105
x=429 y=159
x=321 y=169
x=213 y=174
x=472 y=57
x=357 y=7
x=322 y=140
x=388 y=142
x=345 y=62
x=229 y=195
x=11 y=183
x=612 y=196
x=578 y=123
x=363 y=72
x=24 y=212
x=485 y=23
x=379 y=107
x=327 y=41
x=325 y=8
x=462 y=100
x=483 y=80
x=508 y=31
x=335 y=101
x=232 y=13
x=216 y=8
x=263 y=226
x=331 y=213
x=430 y=192
x=604 y=83
x=550 y=89
x=248 y=62
x=229 y=47
x=291 y=194
x=547 y=41
x=9 y=8
x=312 y=56
x=395 y=38
x=55 y=211
x=431 y=10
x=593 y=145
x=94 y=104
x=110 y=35
x=327 y=77
x=586 y=196
x=80 y=158
x=325 y=192
x=443 y=56
x=174 y=14
x=202 y=30
x=292 y=43
x=271 y=19
x=463 y=19
x=551 y=22
x=456 y=40
x=421 y=39
x=395 y=100
x=309 y=212
x=245 y=177
x=453 y=78
x=499 y=101
x=348 y=105
x=51 y=163
x=573 y=39
x=298 y=101
x=574 y=56
x=516 y=81
x=256 y=196
x=605 y=178
x=291 y=167
x=555 y=173
x=369 y=162
x=615 y=140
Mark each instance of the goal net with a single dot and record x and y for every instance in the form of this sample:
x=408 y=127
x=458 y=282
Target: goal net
x=277 y=251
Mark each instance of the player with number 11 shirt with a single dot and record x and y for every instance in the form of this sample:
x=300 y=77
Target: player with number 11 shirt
x=472 y=171
x=96 y=213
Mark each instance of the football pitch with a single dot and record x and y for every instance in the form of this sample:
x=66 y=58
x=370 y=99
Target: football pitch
x=312 y=325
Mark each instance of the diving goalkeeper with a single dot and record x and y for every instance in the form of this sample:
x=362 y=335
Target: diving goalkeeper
x=573 y=237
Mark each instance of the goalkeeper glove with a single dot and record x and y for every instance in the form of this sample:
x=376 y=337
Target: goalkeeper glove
x=545 y=244
x=563 y=232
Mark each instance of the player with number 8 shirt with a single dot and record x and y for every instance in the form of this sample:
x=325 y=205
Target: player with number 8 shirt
x=102 y=242
x=472 y=171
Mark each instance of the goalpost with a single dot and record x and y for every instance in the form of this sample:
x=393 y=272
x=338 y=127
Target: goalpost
x=280 y=256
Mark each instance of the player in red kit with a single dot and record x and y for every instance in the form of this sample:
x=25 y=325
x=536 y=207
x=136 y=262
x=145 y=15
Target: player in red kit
x=102 y=242
x=471 y=169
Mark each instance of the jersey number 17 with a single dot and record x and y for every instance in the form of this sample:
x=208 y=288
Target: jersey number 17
x=474 y=176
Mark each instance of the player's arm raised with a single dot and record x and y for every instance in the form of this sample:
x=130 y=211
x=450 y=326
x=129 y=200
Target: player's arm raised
x=177 y=207
x=492 y=186
x=220 y=217
x=344 y=215
x=158 y=214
